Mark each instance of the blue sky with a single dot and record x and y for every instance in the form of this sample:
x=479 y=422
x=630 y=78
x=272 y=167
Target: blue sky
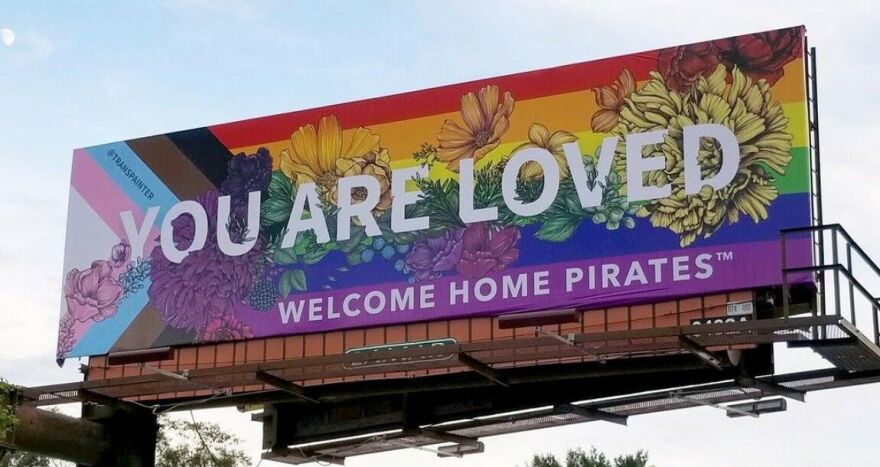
x=90 y=72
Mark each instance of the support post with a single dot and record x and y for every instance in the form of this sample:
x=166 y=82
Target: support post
x=132 y=435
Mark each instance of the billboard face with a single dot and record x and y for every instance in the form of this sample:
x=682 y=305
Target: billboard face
x=638 y=178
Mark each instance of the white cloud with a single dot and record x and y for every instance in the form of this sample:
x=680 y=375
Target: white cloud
x=31 y=47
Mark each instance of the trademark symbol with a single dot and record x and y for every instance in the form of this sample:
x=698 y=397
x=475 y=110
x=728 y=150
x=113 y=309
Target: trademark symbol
x=724 y=255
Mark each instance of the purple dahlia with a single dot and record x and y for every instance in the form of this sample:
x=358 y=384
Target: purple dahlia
x=207 y=284
x=431 y=257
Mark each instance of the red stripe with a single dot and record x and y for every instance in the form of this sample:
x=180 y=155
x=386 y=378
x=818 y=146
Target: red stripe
x=528 y=85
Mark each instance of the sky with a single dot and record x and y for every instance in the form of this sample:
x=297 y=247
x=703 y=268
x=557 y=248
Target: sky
x=90 y=72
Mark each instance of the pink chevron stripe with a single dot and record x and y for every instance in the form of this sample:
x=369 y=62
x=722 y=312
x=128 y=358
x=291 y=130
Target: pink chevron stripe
x=105 y=197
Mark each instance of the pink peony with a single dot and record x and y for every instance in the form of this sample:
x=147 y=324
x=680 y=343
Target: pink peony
x=226 y=328
x=92 y=294
x=487 y=249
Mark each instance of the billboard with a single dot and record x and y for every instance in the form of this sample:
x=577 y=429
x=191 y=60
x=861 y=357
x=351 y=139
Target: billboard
x=638 y=178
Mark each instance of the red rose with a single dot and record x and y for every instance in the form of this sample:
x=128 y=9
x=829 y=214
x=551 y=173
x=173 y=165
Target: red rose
x=682 y=66
x=762 y=55
x=758 y=56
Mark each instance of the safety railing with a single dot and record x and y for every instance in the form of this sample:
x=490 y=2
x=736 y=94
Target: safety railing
x=842 y=272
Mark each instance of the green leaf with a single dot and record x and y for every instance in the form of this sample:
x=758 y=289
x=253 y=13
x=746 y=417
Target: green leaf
x=358 y=234
x=558 y=229
x=280 y=186
x=573 y=203
x=629 y=222
x=275 y=211
x=285 y=284
x=298 y=280
x=315 y=256
x=600 y=218
x=284 y=256
x=294 y=279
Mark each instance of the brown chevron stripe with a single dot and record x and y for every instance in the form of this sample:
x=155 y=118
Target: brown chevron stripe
x=172 y=166
x=142 y=332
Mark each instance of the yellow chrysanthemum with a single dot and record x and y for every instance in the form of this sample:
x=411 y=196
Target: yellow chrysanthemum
x=746 y=108
x=376 y=164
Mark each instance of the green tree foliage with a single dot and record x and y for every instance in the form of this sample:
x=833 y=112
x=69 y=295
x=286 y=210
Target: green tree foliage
x=25 y=459
x=8 y=400
x=198 y=444
x=579 y=458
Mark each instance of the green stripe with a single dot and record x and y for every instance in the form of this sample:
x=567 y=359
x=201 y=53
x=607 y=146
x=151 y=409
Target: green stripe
x=797 y=174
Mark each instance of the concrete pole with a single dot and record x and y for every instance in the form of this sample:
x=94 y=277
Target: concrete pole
x=58 y=436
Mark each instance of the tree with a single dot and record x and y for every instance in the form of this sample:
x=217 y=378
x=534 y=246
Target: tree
x=579 y=458
x=197 y=444
x=25 y=459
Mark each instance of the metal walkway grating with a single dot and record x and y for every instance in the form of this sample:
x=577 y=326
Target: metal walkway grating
x=659 y=401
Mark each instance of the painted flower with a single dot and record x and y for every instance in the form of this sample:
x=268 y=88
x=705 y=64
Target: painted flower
x=225 y=328
x=91 y=295
x=247 y=173
x=66 y=337
x=744 y=106
x=314 y=154
x=487 y=249
x=376 y=164
x=430 y=257
x=761 y=55
x=120 y=254
x=207 y=284
x=610 y=99
x=758 y=56
x=682 y=66
x=540 y=137
x=486 y=120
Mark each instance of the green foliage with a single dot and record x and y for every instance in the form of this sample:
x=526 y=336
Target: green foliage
x=198 y=444
x=26 y=459
x=8 y=401
x=566 y=213
x=439 y=202
x=292 y=280
x=426 y=155
x=544 y=460
x=579 y=458
x=276 y=209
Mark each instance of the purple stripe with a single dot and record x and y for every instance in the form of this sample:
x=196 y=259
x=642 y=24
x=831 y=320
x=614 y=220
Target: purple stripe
x=733 y=267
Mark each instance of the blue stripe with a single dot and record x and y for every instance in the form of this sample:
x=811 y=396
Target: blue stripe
x=152 y=191
x=589 y=241
x=99 y=339
x=595 y=241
